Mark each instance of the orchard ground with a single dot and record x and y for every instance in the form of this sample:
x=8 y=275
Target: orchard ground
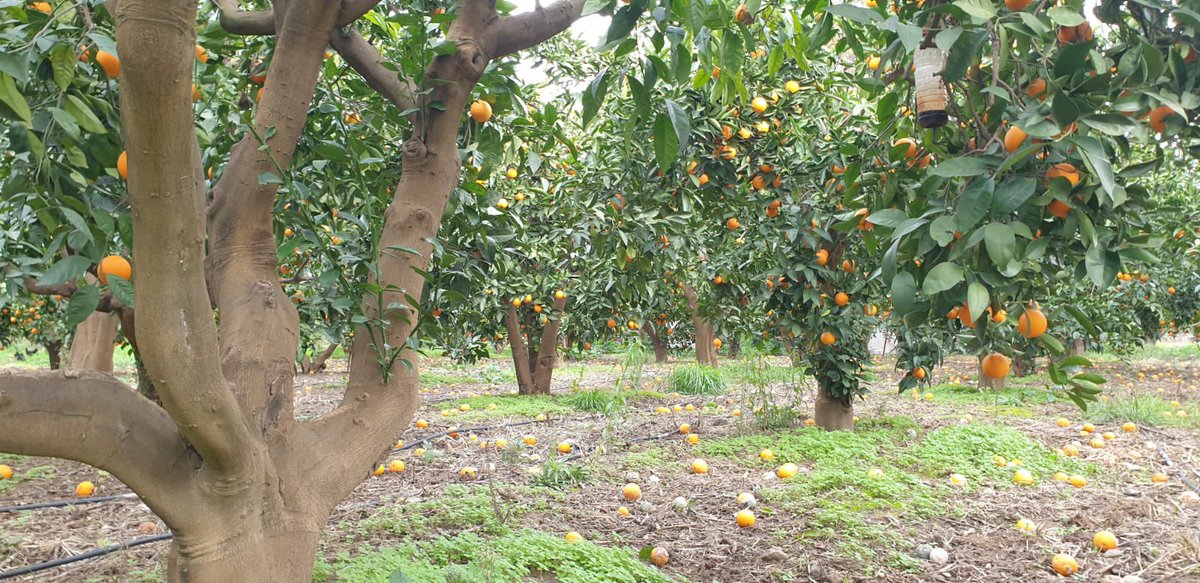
x=838 y=519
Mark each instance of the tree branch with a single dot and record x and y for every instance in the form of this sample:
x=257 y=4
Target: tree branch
x=176 y=328
x=237 y=21
x=363 y=57
x=521 y=31
x=352 y=10
x=95 y=419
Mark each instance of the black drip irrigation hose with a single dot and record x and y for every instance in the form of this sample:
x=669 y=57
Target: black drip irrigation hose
x=70 y=502
x=84 y=556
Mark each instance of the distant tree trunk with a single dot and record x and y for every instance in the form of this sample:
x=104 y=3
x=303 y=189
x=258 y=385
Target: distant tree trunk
x=831 y=414
x=657 y=341
x=1023 y=365
x=315 y=365
x=520 y=354
x=735 y=347
x=1077 y=347
x=704 y=331
x=54 y=353
x=92 y=346
x=544 y=360
x=984 y=381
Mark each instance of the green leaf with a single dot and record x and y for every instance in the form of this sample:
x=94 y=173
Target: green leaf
x=941 y=278
x=961 y=166
x=623 y=22
x=942 y=230
x=1051 y=343
x=83 y=303
x=1066 y=16
x=1001 y=243
x=855 y=13
x=593 y=96
x=1012 y=193
x=910 y=36
x=68 y=269
x=974 y=202
x=1083 y=319
x=1064 y=108
x=1097 y=161
x=962 y=54
x=1102 y=265
x=122 y=289
x=904 y=292
x=11 y=96
x=980 y=9
x=978 y=300
x=887 y=217
x=1075 y=361
x=666 y=141
x=63 y=61
x=83 y=115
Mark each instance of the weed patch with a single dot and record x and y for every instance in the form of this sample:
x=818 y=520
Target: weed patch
x=969 y=450
x=696 y=379
x=505 y=406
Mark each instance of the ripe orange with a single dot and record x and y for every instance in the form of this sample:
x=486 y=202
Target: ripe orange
x=841 y=299
x=1015 y=136
x=85 y=489
x=919 y=373
x=481 y=111
x=1128 y=427
x=911 y=152
x=766 y=455
x=1158 y=118
x=1017 y=5
x=201 y=54
x=1032 y=322
x=659 y=555
x=564 y=447
x=1062 y=421
x=733 y=224
x=114 y=265
x=996 y=366
x=42 y=7
x=1036 y=88
x=123 y=165
x=422 y=424
x=759 y=105
x=1064 y=565
x=1104 y=540
x=873 y=62
x=848 y=266
x=573 y=537
x=685 y=428
x=1059 y=208
x=1077 y=480
x=196 y=95
x=623 y=511
x=743 y=16
x=786 y=471
x=1063 y=170
x=379 y=470
x=716 y=342
x=827 y=338
x=1159 y=478
x=745 y=518
x=631 y=491
x=822 y=257
x=396 y=466
x=5 y=472
x=110 y=63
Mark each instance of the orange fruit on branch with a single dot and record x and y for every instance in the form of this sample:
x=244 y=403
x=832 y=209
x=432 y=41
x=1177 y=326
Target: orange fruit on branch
x=1032 y=322
x=1013 y=139
x=109 y=63
x=996 y=366
x=481 y=111
x=114 y=265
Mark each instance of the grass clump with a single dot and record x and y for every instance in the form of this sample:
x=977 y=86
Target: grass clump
x=512 y=558
x=748 y=371
x=647 y=458
x=506 y=406
x=800 y=445
x=597 y=400
x=561 y=476
x=695 y=379
x=1142 y=409
x=459 y=507
x=969 y=450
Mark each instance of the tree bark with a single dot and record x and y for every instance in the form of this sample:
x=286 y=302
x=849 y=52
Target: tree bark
x=92 y=346
x=831 y=414
x=520 y=353
x=705 y=354
x=660 y=346
x=543 y=370
x=54 y=354
x=735 y=347
x=316 y=364
x=284 y=556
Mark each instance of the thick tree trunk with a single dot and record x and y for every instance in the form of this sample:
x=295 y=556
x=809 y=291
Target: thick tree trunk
x=284 y=557
x=544 y=361
x=92 y=346
x=520 y=353
x=704 y=331
x=832 y=414
x=984 y=381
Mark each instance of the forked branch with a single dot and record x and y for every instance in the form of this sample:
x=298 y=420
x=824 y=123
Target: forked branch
x=237 y=21
x=95 y=419
x=363 y=57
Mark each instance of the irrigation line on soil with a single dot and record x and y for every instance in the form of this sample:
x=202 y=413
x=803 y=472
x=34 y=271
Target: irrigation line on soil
x=100 y=552
x=69 y=502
